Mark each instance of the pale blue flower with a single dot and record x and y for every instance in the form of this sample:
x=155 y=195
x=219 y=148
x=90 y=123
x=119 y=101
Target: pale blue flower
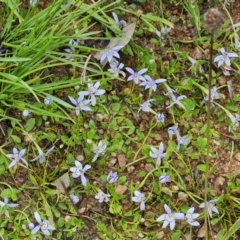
x=139 y=198
x=33 y=3
x=195 y=65
x=25 y=113
x=210 y=207
x=145 y=106
x=43 y=225
x=235 y=121
x=136 y=76
x=16 y=156
x=112 y=177
x=191 y=216
x=172 y=130
x=176 y=100
x=214 y=95
x=163 y=32
x=109 y=54
x=158 y=153
x=31 y=225
x=42 y=156
x=100 y=149
x=102 y=197
x=169 y=217
x=115 y=69
x=160 y=117
x=93 y=91
x=79 y=171
x=121 y=24
x=224 y=58
x=80 y=104
x=74 y=198
x=164 y=178
x=48 y=100
x=5 y=205
x=237 y=43
x=150 y=83
x=185 y=140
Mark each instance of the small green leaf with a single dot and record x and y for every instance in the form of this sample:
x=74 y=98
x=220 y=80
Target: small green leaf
x=60 y=222
x=16 y=139
x=30 y=124
x=201 y=144
x=201 y=167
x=189 y=104
x=32 y=180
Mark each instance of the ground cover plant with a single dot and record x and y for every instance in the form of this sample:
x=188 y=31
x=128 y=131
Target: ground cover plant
x=119 y=120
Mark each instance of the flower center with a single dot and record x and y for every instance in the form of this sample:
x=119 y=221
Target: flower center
x=98 y=150
x=80 y=105
x=169 y=217
x=211 y=205
x=189 y=217
x=44 y=226
x=79 y=171
x=92 y=90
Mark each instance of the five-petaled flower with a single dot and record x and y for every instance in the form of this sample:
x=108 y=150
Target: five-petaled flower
x=112 y=177
x=158 y=153
x=92 y=92
x=136 y=76
x=120 y=23
x=80 y=103
x=145 y=106
x=164 y=178
x=210 y=207
x=191 y=216
x=42 y=156
x=184 y=140
x=4 y=205
x=150 y=83
x=43 y=225
x=139 y=198
x=109 y=54
x=224 y=58
x=79 y=171
x=169 y=217
x=115 y=69
x=100 y=149
x=16 y=156
x=160 y=117
x=102 y=197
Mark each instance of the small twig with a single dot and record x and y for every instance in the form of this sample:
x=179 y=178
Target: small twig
x=83 y=77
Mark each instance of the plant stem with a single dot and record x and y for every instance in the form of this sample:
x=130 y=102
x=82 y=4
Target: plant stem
x=208 y=136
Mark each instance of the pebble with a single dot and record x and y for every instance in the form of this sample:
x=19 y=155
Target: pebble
x=112 y=162
x=121 y=189
x=130 y=169
x=121 y=160
x=237 y=156
x=149 y=167
x=182 y=196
